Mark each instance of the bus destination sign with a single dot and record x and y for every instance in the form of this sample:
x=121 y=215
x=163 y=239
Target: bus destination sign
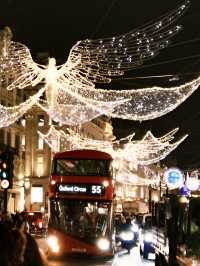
x=87 y=189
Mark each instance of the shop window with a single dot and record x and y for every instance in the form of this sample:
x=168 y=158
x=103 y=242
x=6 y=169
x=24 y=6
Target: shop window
x=23 y=140
x=37 y=194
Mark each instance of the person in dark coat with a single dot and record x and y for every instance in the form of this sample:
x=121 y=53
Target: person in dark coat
x=32 y=255
x=20 y=246
x=7 y=246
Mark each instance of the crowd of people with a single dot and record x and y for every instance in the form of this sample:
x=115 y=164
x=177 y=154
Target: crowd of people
x=17 y=246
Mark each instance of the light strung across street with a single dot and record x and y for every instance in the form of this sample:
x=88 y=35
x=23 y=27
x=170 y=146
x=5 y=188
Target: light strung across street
x=150 y=149
x=146 y=151
x=59 y=140
x=70 y=89
x=127 y=153
x=8 y=115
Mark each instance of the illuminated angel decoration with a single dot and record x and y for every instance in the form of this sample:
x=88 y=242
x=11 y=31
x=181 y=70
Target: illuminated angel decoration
x=142 y=152
x=71 y=94
x=146 y=151
x=150 y=149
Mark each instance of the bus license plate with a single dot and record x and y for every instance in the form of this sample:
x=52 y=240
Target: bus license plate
x=79 y=250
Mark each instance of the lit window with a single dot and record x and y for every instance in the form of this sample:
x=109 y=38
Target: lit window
x=40 y=166
x=141 y=192
x=37 y=194
x=40 y=120
x=23 y=140
x=40 y=143
x=23 y=122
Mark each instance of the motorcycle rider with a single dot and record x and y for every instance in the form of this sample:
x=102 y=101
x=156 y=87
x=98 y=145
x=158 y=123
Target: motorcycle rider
x=126 y=229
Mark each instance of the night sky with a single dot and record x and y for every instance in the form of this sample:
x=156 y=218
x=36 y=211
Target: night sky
x=55 y=26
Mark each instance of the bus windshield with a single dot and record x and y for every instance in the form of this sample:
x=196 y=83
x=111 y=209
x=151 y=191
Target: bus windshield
x=81 y=167
x=82 y=219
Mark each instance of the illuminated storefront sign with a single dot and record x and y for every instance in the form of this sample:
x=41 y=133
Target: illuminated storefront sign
x=173 y=178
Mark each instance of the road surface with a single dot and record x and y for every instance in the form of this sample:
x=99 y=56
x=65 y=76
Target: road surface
x=120 y=259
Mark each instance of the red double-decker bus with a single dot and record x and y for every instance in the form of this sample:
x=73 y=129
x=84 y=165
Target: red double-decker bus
x=81 y=204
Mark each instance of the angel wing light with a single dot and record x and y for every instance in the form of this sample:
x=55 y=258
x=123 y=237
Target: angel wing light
x=72 y=85
x=150 y=149
x=97 y=61
x=146 y=151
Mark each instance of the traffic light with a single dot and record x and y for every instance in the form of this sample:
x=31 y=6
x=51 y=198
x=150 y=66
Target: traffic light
x=6 y=169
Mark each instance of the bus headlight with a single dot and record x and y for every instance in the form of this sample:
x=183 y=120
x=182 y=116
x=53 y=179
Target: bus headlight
x=148 y=237
x=127 y=236
x=53 y=244
x=103 y=244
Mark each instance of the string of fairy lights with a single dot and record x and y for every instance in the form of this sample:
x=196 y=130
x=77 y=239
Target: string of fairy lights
x=8 y=115
x=128 y=154
x=125 y=151
x=70 y=89
x=69 y=94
